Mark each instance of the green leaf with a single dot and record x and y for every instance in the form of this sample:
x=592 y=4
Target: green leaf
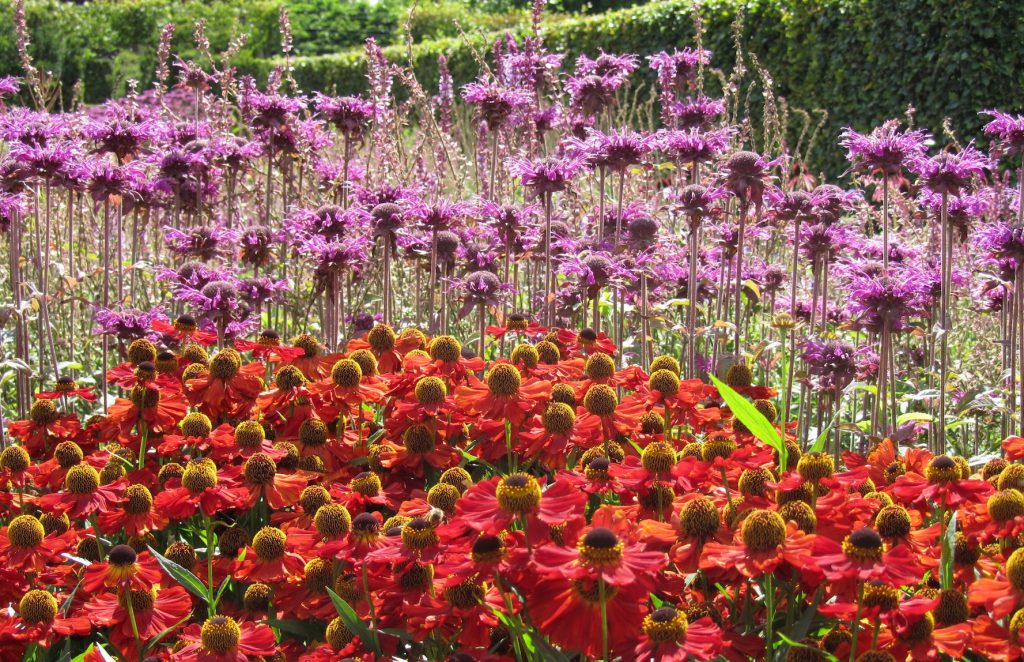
x=819 y=443
x=753 y=419
x=914 y=417
x=948 y=551
x=104 y=654
x=166 y=631
x=181 y=575
x=352 y=621
x=306 y=630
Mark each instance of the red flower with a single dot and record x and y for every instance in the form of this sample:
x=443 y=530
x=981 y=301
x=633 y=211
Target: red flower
x=221 y=639
x=156 y=611
x=491 y=505
x=601 y=554
x=763 y=544
x=26 y=547
x=862 y=557
x=227 y=388
x=669 y=637
x=269 y=559
x=184 y=330
x=123 y=568
x=66 y=386
x=504 y=396
x=586 y=342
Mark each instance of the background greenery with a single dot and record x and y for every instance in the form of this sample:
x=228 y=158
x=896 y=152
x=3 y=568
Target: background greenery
x=862 y=60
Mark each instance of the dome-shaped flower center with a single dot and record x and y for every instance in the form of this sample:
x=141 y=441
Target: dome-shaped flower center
x=739 y=376
x=225 y=364
x=754 y=482
x=346 y=373
x=25 y=531
x=366 y=360
x=600 y=547
x=268 y=543
x=338 y=635
x=601 y=400
x=260 y=469
x=196 y=424
x=15 y=459
x=443 y=497
x=665 y=362
x=942 y=469
x=419 y=534
x=381 y=338
x=308 y=344
x=558 y=418
x=141 y=350
x=864 y=545
x=122 y=556
x=658 y=457
x=313 y=498
x=220 y=635
x=289 y=378
x=488 y=549
x=313 y=432
x=665 y=382
x=813 y=467
x=332 y=520
x=1005 y=505
x=81 y=479
x=141 y=600
x=801 y=513
x=665 y=624
x=366 y=483
x=599 y=366
x=525 y=355
x=504 y=380
x=365 y=527
x=37 y=606
x=43 y=412
x=430 y=391
x=763 y=531
x=138 y=500
x=199 y=475
x=464 y=595
x=518 y=493
x=446 y=349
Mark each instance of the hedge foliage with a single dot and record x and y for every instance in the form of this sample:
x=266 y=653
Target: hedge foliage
x=863 y=61
x=104 y=43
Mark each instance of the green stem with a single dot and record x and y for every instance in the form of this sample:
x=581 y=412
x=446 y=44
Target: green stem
x=369 y=601
x=769 y=602
x=144 y=438
x=604 y=618
x=210 y=547
x=127 y=593
x=856 y=621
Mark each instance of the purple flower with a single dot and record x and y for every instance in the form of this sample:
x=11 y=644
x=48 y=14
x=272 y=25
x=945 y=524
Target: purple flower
x=1003 y=241
x=886 y=148
x=548 y=175
x=832 y=364
x=128 y=324
x=693 y=145
x=482 y=288
x=696 y=113
x=350 y=115
x=886 y=302
x=949 y=172
x=678 y=68
x=205 y=243
x=696 y=200
x=1009 y=129
x=616 y=151
x=830 y=202
x=494 y=103
x=746 y=174
x=613 y=68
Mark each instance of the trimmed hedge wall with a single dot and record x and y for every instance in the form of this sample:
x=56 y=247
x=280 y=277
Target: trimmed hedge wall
x=861 y=60
x=103 y=43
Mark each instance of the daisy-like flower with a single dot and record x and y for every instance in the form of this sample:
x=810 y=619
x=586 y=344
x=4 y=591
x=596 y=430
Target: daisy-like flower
x=492 y=505
x=269 y=558
x=600 y=554
x=199 y=487
x=136 y=516
x=669 y=636
x=943 y=484
x=862 y=557
x=25 y=546
x=763 y=543
x=83 y=495
x=222 y=639
x=156 y=611
x=503 y=394
x=67 y=387
x=123 y=568
x=546 y=176
x=44 y=427
x=227 y=387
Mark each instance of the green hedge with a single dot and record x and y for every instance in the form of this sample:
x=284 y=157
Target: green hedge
x=862 y=60
x=106 y=42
